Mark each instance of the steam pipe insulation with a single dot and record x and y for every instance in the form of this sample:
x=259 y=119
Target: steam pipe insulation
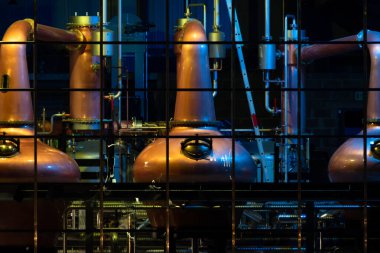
x=319 y=51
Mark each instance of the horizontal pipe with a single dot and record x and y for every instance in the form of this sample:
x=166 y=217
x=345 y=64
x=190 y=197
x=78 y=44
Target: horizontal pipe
x=319 y=51
x=48 y=33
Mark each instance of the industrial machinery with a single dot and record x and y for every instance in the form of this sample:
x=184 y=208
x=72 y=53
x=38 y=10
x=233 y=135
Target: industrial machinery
x=141 y=126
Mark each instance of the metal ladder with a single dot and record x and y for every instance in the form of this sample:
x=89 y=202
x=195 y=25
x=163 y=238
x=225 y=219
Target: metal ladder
x=239 y=49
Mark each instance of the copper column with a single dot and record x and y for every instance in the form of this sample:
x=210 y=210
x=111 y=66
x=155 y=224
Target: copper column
x=84 y=74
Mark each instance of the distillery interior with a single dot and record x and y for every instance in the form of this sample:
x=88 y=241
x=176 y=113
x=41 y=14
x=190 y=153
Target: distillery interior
x=189 y=126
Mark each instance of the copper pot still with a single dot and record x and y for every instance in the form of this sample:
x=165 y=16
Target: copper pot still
x=197 y=151
x=18 y=147
x=347 y=163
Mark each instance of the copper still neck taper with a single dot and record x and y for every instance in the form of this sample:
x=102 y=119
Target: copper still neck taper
x=193 y=72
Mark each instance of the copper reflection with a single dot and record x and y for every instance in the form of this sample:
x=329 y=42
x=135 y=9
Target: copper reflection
x=347 y=163
x=194 y=117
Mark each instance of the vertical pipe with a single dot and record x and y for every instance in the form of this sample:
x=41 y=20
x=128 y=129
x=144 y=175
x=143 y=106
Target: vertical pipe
x=119 y=55
x=267 y=19
x=64 y=232
x=146 y=79
x=216 y=15
x=204 y=17
x=121 y=168
x=130 y=239
x=267 y=93
x=101 y=147
x=105 y=11
x=285 y=101
x=215 y=79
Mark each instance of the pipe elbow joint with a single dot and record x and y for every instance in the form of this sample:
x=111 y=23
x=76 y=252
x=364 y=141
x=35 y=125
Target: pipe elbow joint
x=31 y=23
x=19 y=31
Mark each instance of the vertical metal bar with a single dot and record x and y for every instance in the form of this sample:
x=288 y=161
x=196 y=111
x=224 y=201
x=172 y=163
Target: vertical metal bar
x=105 y=11
x=215 y=26
x=64 y=231
x=119 y=55
x=167 y=118
x=238 y=38
x=146 y=80
x=267 y=92
x=130 y=239
x=215 y=79
x=267 y=19
x=284 y=152
x=234 y=31
x=34 y=89
x=366 y=91
x=299 y=186
x=101 y=151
